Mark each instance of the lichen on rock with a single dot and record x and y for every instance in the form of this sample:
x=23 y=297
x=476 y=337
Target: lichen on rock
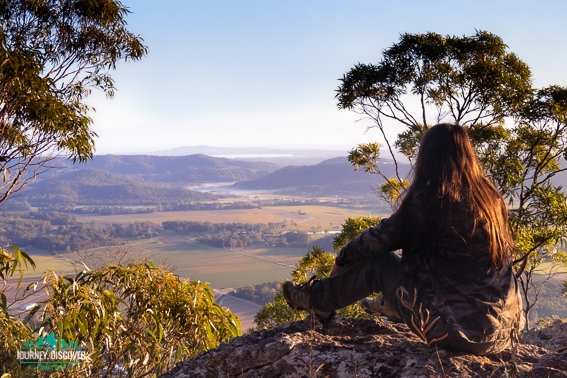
x=348 y=347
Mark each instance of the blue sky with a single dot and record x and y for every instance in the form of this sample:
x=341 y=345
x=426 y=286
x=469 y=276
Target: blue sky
x=263 y=73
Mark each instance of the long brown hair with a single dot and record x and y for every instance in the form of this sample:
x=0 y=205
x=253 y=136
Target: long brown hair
x=447 y=172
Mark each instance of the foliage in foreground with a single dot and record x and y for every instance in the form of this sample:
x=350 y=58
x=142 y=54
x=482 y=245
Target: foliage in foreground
x=13 y=332
x=139 y=319
x=135 y=320
x=314 y=262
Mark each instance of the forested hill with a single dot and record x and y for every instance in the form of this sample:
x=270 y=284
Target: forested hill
x=95 y=187
x=183 y=169
x=140 y=180
x=331 y=177
x=137 y=180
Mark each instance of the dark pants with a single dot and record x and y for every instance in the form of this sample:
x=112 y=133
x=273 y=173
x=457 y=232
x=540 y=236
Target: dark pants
x=382 y=273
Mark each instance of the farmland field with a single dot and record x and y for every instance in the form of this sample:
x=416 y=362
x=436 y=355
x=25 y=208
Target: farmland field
x=46 y=261
x=188 y=258
x=221 y=267
x=225 y=267
x=306 y=217
x=547 y=267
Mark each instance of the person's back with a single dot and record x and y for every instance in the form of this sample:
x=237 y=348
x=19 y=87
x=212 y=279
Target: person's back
x=458 y=279
x=455 y=272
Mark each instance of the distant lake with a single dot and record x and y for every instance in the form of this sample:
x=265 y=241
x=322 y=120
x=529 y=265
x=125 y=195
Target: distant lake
x=225 y=188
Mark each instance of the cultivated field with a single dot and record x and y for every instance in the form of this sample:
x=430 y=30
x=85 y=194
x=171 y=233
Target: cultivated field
x=231 y=268
x=547 y=267
x=245 y=310
x=306 y=217
x=47 y=261
x=222 y=268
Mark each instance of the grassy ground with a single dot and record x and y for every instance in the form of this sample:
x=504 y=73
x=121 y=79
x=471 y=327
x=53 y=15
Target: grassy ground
x=45 y=261
x=221 y=267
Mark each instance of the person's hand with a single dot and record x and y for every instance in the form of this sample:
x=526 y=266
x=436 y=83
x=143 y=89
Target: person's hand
x=336 y=269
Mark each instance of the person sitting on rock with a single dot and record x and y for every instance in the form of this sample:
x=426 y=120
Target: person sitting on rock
x=453 y=284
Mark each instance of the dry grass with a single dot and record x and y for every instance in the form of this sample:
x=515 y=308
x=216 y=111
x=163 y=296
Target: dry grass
x=326 y=217
x=45 y=261
x=222 y=267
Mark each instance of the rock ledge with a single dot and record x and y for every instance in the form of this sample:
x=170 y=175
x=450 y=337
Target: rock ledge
x=346 y=347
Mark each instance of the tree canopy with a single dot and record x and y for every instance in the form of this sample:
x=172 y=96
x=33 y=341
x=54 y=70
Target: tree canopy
x=519 y=132
x=52 y=54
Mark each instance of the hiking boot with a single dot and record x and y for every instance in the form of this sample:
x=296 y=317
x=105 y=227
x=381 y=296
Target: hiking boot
x=297 y=297
x=380 y=307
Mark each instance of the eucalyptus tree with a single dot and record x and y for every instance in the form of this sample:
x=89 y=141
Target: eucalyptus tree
x=136 y=319
x=13 y=332
x=52 y=54
x=519 y=132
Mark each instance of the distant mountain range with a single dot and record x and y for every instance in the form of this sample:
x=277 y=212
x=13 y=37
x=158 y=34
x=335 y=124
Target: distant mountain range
x=137 y=179
x=215 y=151
x=181 y=169
x=96 y=187
x=281 y=156
x=143 y=179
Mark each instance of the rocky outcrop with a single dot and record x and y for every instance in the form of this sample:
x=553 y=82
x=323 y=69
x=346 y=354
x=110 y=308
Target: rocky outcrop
x=347 y=347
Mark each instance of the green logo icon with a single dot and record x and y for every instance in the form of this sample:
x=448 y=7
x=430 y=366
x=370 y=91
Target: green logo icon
x=48 y=354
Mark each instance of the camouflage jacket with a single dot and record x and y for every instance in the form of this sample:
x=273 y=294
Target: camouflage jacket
x=452 y=266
